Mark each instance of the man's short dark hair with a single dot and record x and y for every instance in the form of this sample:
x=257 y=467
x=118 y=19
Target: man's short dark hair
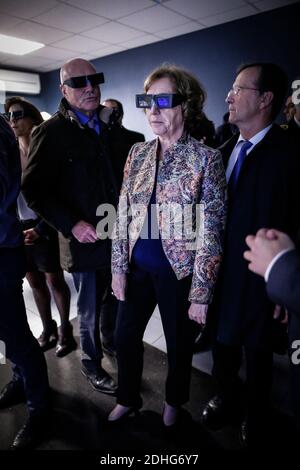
x=271 y=78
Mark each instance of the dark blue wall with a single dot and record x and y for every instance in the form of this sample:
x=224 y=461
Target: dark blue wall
x=37 y=100
x=212 y=54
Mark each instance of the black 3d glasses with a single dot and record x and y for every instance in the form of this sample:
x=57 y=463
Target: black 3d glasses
x=14 y=115
x=85 y=80
x=162 y=101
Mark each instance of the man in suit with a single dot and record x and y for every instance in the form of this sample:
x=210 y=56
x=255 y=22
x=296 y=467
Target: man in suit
x=67 y=178
x=262 y=174
x=30 y=380
x=121 y=140
x=274 y=256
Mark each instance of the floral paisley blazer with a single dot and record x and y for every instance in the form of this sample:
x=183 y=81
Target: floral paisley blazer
x=189 y=174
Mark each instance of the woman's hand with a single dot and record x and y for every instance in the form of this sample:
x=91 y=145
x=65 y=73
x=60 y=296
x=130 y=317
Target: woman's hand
x=198 y=312
x=119 y=284
x=30 y=236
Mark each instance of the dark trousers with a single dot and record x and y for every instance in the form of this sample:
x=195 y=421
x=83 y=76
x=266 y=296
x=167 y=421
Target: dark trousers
x=22 y=349
x=259 y=365
x=294 y=355
x=92 y=288
x=144 y=292
x=108 y=318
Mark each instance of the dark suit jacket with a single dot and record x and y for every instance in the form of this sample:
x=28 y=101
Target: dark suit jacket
x=284 y=288
x=267 y=195
x=283 y=285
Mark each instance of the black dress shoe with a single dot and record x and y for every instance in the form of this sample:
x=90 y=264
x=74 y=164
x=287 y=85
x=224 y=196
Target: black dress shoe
x=101 y=381
x=123 y=415
x=244 y=435
x=66 y=342
x=12 y=394
x=33 y=432
x=259 y=436
x=215 y=414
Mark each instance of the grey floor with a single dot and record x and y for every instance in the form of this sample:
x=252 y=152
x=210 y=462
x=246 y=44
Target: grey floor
x=153 y=334
x=80 y=412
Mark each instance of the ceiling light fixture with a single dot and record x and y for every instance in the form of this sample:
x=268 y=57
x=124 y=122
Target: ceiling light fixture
x=17 y=46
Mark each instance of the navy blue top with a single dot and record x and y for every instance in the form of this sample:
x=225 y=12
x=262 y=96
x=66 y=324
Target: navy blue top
x=10 y=180
x=148 y=253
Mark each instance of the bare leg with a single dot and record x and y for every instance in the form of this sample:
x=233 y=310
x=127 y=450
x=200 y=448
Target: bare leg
x=42 y=297
x=62 y=296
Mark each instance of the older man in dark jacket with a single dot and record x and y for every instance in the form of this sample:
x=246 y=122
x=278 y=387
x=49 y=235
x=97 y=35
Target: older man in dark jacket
x=67 y=178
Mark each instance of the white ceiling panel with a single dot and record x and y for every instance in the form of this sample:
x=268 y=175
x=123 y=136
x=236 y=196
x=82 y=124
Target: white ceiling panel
x=156 y=19
x=27 y=63
x=113 y=33
x=38 y=32
x=53 y=66
x=112 y=49
x=201 y=8
x=69 y=19
x=79 y=43
x=229 y=16
x=8 y=22
x=95 y=28
x=53 y=53
x=26 y=9
x=265 y=5
x=179 y=30
x=141 y=41
x=112 y=9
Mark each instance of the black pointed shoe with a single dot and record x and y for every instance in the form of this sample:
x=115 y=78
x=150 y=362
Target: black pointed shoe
x=33 y=433
x=66 y=342
x=12 y=394
x=101 y=381
x=215 y=414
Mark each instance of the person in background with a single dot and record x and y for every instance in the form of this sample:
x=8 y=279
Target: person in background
x=69 y=152
x=30 y=379
x=121 y=140
x=225 y=131
x=155 y=259
x=262 y=168
x=289 y=109
x=44 y=273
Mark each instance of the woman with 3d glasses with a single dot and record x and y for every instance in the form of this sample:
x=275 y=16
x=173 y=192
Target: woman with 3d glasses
x=167 y=243
x=43 y=266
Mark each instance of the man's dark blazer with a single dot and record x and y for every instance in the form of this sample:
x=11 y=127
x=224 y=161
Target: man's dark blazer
x=267 y=195
x=283 y=285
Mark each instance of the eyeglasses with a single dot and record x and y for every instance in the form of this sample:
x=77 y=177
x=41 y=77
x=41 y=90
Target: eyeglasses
x=236 y=89
x=14 y=115
x=162 y=101
x=85 y=80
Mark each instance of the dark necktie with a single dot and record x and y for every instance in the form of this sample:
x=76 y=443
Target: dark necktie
x=238 y=165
